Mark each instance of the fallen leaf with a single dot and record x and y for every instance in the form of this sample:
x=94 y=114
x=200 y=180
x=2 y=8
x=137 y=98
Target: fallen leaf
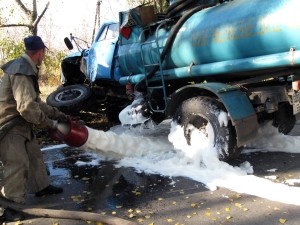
x=138 y=211
x=282 y=220
x=237 y=195
x=207 y=213
x=228 y=217
x=75 y=199
x=227 y=209
x=160 y=199
x=147 y=217
x=193 y=205
x=238 y=205
x=118 y=206
x=174 y=203
x=151 y=223
x=99 y=223
x=245 y=209
x=18 y=223
x=130 y=210
x=170 y=220
x=189 y=216
x=114 y=213
x=131 y=215
x=140 y=220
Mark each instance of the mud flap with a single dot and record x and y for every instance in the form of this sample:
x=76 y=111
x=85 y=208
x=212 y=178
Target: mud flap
x=246 y=129
x=242 y=113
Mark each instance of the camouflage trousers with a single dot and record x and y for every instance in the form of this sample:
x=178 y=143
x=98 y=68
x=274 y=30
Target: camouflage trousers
x=23 y=166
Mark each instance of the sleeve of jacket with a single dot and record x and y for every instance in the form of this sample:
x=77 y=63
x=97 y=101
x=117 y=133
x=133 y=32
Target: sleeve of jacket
x=50 y=111
x=27 y=101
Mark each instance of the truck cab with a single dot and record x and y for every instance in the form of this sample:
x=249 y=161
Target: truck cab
x=99 y=59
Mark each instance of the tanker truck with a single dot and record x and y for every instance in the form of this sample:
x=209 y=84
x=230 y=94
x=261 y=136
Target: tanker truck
x=199 y=60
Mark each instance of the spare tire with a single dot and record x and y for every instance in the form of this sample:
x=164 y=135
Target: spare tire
x=69 y=99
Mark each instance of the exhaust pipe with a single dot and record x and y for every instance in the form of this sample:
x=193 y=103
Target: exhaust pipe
x=74 y=133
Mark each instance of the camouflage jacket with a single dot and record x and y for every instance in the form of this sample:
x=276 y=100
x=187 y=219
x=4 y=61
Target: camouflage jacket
x=19 y=94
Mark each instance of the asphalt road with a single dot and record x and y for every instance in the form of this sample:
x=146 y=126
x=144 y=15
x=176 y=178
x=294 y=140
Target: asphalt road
x=154 y=200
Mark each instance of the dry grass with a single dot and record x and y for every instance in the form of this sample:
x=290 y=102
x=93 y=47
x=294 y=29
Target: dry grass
x=46 y=90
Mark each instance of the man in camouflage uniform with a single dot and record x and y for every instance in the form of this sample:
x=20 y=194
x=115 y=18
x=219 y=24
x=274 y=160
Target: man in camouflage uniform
x=20 y=109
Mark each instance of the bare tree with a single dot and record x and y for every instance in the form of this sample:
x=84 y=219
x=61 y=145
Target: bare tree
x=160 y=5
x=30 y=14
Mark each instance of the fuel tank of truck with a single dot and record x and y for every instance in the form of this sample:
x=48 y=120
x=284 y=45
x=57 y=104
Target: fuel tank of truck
x=237 y=35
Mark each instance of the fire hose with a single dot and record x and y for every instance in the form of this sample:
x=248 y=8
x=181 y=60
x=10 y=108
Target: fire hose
x=66 y=214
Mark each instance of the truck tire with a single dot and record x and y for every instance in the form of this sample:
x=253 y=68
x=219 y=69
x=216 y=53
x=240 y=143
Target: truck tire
x=199 y=111
x=69 y=99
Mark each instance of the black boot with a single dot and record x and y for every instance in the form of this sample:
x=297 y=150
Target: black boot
x=50 y=190
x=12 y=215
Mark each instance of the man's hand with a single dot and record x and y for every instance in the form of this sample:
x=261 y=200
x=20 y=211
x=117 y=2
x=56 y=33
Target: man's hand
x=63 y=118
x=53 y=125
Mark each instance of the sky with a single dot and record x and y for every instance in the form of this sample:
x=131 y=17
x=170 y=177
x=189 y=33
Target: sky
x=78 y=17
x=67 y=16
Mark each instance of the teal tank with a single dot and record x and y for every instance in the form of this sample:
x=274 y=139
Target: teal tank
x=240 y=35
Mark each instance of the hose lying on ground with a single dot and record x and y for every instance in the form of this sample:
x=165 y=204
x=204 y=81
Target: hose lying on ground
x=66 y=214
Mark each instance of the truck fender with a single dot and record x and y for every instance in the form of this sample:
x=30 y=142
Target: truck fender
x=237 y=104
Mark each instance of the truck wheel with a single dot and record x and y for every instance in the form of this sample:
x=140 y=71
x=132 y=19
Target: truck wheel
x=69 y=99
x=199 y=111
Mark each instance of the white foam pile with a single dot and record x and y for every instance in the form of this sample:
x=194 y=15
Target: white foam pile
x=155 y=152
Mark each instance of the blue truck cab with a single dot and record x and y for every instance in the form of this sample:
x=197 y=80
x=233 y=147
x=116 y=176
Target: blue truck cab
x=100 y=58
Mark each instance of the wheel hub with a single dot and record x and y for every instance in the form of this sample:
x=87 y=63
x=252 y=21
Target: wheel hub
x=68 y=95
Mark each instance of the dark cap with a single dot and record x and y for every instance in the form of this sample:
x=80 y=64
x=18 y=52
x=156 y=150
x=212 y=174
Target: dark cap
x=33 y=43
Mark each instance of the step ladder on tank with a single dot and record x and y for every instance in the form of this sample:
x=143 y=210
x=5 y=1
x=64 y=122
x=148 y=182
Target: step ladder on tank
x=160 y=83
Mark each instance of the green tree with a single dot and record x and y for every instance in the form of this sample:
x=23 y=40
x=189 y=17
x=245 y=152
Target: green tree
x=10 y=49
x=29 y=18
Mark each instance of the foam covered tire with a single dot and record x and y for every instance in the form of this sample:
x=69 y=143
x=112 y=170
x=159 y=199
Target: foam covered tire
x=199 y=111
x=69 y=99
